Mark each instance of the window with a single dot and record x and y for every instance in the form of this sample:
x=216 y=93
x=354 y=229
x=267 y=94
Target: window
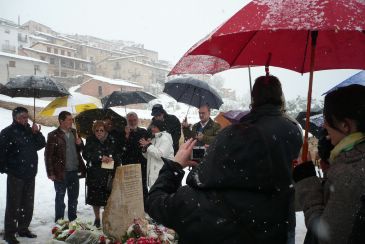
x=49 y=50
x=43 y=58
x=55 y=51
x=56 y=73
x=36 y=67
x=52 y=61
x=69 y=54
x=62 y=52
x=100 y=90
x=11 y=63
x=7 y=31
x=63 y=74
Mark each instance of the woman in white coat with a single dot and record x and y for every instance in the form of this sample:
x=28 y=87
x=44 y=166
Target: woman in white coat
x=160 y=145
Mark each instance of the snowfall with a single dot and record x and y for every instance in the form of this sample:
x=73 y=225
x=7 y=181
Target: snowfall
x=43 y=215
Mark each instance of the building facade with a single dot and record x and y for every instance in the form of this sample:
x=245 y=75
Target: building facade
x=61 y=59
x=99 y=86
x=8 y=36
x=12 y=65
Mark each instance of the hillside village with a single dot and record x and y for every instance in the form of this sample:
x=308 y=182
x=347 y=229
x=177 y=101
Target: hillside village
x=99 y=66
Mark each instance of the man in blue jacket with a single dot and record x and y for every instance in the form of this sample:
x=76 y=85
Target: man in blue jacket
x=19 y=143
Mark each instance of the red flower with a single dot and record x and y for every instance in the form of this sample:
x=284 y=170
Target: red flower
x=54 y=229
x=102 y=240
x=131 y=241
x=71 y=231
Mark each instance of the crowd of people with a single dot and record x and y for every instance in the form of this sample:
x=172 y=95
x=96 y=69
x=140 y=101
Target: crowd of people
x=242 y=190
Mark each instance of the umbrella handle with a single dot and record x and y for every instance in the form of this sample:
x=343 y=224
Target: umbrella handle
x=187 y=112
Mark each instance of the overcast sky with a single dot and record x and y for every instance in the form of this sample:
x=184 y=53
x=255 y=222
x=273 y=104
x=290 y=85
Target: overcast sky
x=169 y=27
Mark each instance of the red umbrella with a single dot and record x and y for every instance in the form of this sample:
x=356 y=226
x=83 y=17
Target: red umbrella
x=290 y=34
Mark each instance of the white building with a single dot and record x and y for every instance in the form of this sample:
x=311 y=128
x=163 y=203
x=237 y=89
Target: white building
x=12 y=65
x=8 y=36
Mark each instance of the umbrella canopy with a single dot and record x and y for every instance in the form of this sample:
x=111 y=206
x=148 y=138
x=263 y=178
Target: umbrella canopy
x=358 y=79
x=85 y=120
x=73 y=104
x=234 y=116
x=34 y=86
x=314 y=126
x=289 y=34
x=221 y=120
x=118 y=98
x=193 y=92
x=283 y=28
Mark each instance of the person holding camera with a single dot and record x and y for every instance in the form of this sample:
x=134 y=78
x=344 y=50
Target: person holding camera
x=154 y=149
x=204 y=131
x=242 y=190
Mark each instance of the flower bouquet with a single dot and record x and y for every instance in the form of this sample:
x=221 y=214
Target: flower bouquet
x=144 y=231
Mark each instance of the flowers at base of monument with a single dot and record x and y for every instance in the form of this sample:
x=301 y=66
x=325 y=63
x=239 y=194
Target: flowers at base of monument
x=65 y=229
x=144 y=231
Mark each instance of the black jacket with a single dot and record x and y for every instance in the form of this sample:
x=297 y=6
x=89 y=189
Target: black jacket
x=18 y=149
x=94 y=150
x=241 y=191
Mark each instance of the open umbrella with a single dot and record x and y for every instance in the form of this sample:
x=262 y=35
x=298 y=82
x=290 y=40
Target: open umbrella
x=34 y=86
x=234 y=116
x=314 y=126
x=358 y=79
x=85 y=120
x=73 y=104
x=193 y=92
x=119 y=98
x=303 y=36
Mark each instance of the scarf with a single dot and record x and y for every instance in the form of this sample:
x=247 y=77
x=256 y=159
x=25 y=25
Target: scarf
x=347 y=143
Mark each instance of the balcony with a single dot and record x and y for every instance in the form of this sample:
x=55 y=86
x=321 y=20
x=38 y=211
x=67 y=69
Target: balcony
x=8 y=48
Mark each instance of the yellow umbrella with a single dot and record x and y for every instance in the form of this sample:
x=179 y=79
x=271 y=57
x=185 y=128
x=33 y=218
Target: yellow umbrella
x=73 y=104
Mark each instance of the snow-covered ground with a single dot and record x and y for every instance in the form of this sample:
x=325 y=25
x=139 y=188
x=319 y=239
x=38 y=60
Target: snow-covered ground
x=43 y=216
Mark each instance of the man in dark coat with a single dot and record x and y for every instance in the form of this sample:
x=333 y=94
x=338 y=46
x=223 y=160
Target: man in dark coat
x=133 y=150
x=204 y=131
x=172 y=124
x=64 y=165
x=19 y=144
x=241 y=192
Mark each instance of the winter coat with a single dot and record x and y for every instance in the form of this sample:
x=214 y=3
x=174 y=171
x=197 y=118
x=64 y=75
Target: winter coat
x=133 y=151
x=331 y=207
x=240 y=192
x=55 y=155
x=209 y=131
x=94 y=150
x=18 y=150
x=173 y=126
x=99 y=180
x=161 y=146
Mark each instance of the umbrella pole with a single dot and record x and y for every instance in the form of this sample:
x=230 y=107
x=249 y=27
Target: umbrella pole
x=34 y=108
x=314 y=35
x=249 y=78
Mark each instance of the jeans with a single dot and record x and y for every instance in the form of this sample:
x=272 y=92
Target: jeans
x=19 y=204
x=71 y=184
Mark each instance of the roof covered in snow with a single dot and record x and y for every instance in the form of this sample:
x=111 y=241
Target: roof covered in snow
x=112 y=81
x=10 y=55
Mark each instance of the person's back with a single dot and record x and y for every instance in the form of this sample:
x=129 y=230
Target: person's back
x=242 y=190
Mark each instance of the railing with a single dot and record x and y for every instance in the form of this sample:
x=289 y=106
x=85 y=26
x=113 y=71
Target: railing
x=8 y=48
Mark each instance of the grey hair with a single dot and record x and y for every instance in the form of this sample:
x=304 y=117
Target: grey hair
x=131 y=114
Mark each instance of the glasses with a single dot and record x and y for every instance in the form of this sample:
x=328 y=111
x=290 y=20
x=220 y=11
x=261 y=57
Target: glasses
x=100 y=130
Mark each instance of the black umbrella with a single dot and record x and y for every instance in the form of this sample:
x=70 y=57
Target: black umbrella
x=314 y=127
x=193 y=92
x=84 y=120
x=118 y=98
x=33 y=86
